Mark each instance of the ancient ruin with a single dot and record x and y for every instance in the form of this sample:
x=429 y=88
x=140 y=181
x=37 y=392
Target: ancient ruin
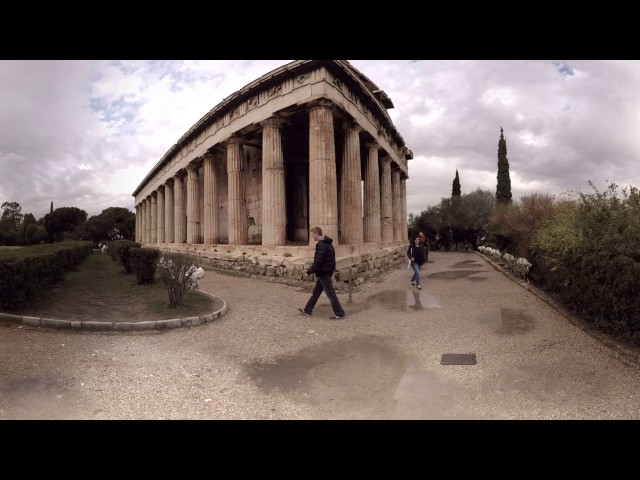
x=310 y=143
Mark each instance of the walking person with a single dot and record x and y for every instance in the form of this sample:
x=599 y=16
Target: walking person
x=324 y=264
x=424 y=241
x=417 y=254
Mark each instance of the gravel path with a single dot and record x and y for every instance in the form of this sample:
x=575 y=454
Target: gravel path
x=263 y=360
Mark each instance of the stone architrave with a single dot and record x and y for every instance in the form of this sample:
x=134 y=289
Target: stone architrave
x=323 y=195
x=237 y=223
x=386 y=206
x=169 y=218
x=351 y=186
x=372 y=228
x=274 y=218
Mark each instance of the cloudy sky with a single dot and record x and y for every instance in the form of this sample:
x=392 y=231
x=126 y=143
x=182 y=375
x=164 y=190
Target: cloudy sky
x=85 y=133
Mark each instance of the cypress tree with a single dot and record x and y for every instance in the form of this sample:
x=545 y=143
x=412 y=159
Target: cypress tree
x=51 y=211
x=455 y=189
x=503 y=189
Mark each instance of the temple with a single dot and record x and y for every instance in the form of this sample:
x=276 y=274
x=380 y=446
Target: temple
x=308 y=144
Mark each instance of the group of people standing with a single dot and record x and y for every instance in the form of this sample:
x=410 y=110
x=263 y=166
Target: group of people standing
x=324 y=264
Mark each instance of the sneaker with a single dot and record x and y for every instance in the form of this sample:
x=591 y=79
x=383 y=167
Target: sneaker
x=301 y=310
x=337 y=317
x=413 y=283
x=419 y=287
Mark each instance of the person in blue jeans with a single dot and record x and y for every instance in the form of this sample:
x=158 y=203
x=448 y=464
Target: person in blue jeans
x=324 y=264
x=417 y=253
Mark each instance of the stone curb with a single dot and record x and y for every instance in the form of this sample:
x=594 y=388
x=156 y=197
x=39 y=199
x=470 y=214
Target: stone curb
x=95 y=326
x=625 y=351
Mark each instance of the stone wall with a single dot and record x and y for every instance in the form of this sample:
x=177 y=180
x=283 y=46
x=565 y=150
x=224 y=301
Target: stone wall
x=291 y=270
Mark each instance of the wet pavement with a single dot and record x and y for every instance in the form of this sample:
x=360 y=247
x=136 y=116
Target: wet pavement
x=263 y=360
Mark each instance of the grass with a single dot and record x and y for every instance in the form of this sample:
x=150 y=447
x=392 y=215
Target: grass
x=100 y=289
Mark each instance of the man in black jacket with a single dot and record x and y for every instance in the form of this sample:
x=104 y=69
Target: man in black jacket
x=324 y=263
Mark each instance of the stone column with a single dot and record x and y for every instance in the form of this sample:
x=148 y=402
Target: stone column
x=385 y=200
x=147 y=219
x=323 y=195
x=210 y=220
x=396 y=209
x=180 y=218
x=274 y=220
x=137 y=236
x=154 y=218
x=143 y=221
x=160 y=201
x=351 y=186
x=193 y=210
x=372 y=228
x=403 y=200
x=169 y=217
x=237 y=214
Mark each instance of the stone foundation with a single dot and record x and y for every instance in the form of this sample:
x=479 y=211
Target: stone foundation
x=290 y=269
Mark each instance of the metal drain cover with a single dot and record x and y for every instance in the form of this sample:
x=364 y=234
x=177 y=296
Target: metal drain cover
x=458 y=359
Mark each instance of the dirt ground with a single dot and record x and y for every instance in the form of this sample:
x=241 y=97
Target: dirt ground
x=263 y=360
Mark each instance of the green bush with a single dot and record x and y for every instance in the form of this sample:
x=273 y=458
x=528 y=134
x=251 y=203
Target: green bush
x=122 y=250
x=143 y=263
x=588 y=251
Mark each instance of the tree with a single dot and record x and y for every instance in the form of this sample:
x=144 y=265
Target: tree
x=503 y=189
x=99 y=227
x=64 y=219
x=11 y=214
x=455 y=190
x=51 y=211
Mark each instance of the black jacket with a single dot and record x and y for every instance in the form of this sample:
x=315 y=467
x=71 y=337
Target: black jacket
x=324 y=260
x=418 y=253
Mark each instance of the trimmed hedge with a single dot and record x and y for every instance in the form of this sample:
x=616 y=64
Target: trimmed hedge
x=25 y=271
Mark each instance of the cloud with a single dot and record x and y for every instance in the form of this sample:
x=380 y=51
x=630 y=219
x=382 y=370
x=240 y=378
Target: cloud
x=85 y=133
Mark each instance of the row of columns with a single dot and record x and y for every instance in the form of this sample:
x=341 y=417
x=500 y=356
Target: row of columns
x=171 y=214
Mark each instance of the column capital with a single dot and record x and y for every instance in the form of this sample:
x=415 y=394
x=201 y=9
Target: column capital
x=236 y=139
x=192 y=167
x=375 y=145
x=322 y=103
x=351 y=125
x=274 y=121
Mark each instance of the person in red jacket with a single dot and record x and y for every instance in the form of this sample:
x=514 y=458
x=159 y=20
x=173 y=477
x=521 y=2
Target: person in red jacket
x=324 y=264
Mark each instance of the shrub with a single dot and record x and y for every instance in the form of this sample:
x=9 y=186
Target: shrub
x=143 y=263
x=122 y=249
x=179 y=274
x=589 y=251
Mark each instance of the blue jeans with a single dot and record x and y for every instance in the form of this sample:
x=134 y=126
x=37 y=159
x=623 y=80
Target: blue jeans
x=416 y=273
x=324 y=282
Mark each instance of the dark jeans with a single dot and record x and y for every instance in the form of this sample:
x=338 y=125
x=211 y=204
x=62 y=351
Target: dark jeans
x=324 y=282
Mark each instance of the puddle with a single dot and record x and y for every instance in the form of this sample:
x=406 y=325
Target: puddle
x=456 y=275
x=507 y=321
x=355 y=379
